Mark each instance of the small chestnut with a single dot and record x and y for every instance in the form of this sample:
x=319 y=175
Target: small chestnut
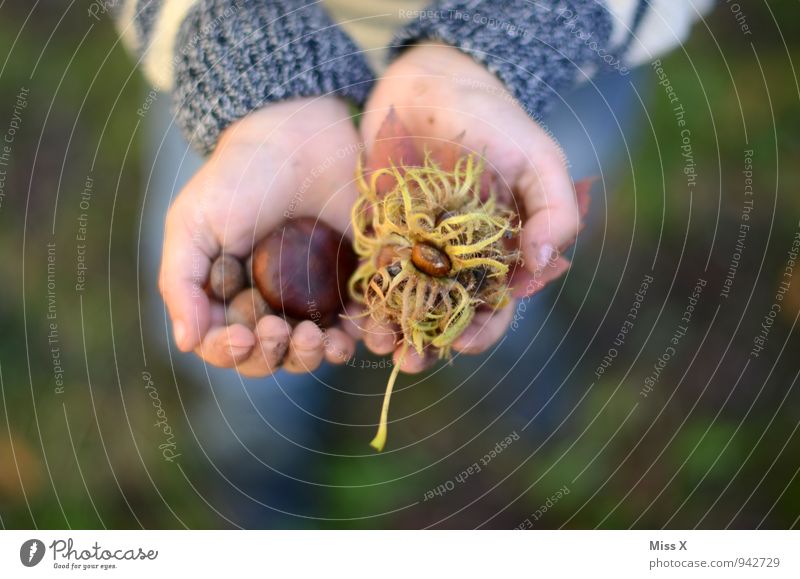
x=246 y=308
x=226 y=278
x=302 y=270
x=429 y=259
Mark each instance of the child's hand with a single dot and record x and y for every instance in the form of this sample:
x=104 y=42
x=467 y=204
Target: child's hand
x=289 y=159
x=444 y=97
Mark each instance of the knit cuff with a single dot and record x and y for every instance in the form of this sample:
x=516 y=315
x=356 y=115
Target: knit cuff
x=536 y=49
x=235 y=56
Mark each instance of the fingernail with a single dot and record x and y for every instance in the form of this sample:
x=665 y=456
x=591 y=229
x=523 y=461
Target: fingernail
x=545 y=256
x=236 y=351
x=179 y=330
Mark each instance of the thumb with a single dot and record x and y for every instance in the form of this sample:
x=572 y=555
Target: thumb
x=185 y=263
x=554 y=216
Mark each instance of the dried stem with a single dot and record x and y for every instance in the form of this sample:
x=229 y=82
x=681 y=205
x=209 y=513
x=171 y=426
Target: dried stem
x=380 y=438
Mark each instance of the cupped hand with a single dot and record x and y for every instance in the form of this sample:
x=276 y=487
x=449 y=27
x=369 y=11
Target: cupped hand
x=286 y=160
x=452 y=105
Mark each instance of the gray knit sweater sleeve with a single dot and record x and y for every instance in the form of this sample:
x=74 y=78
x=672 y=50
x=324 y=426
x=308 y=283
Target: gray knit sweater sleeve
x=537 y=48
x=227 y=58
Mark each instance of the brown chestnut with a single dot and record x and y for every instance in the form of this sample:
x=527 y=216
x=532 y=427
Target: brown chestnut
x=430 y=259
x=246 y=308
x=302 y=270
x=226 y=278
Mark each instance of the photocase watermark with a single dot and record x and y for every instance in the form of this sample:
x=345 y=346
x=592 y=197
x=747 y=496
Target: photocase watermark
x=53 y=335
x=570 y=23
x=160 y=71
x=315 y=315
x=472 y=469
x=66 y=556
x=534 y=285
x=6 y=147
x=81 y=235
x=543 y=508
x=760 y=341
x=365 y=364
x=678 y=334
x=147 y=104
x=168 y=448
x=316 y=172
x=744 y=225
x=31 y=552
x=739 y=16
x=100 y=8
x=679 y=113
x=506 y=26
x=627 y=326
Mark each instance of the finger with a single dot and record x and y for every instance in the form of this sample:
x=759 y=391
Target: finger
x=380 y=338
x=526 y=283
x=584 y=200
x=553 y=215
x=272 y=343
x=226 y=346
x=339 y=346
x=412 y=362
x=305 y=349
x=185 y=263
x=484 y=331
x=354 y=321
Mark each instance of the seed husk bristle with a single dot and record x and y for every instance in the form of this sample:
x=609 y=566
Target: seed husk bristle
x=432 y=250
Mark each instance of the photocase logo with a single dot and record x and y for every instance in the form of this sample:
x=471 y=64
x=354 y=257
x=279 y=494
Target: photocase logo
x=31 y=552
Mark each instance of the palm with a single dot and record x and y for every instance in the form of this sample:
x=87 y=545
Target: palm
x=288 y=160
x=448 y=104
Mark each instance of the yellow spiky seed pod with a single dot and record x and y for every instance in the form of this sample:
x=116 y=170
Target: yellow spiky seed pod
x=432 y=249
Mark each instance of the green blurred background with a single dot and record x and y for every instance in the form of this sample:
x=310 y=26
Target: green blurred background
x=713 y=445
